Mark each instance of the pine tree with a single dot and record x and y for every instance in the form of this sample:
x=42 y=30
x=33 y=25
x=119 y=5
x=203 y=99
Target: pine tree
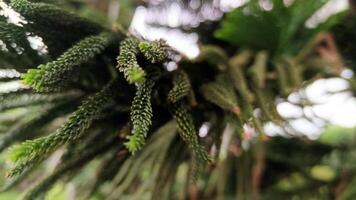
x=106 y=99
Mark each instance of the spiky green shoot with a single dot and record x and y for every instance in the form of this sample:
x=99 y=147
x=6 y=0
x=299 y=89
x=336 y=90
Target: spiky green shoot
x=141 y=114
x=51 y=76
x=181 y=87
x=127 y=61
x=187 y=130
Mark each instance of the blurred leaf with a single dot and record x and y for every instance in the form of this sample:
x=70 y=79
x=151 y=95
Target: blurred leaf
x=256 y=30
x=127 y=10
x=292 y=182
x=338 y=136
x=280 y=30
x=58 y=192
x=11 y=195
x=323 y=173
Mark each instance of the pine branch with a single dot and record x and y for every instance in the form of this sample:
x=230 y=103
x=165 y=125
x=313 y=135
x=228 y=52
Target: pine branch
x=72 y=164
x=50 y=22
x=155 y=52
x=168 y=169
x=127 y=61
x=18 y=48
x=22 y=98
x=181 y=87
x=259 y=68
x=221 y=96
x=214 y=55
x=295 y=72
x=77 y=147
x=237 y=76
x=284 y=84
x=105 y=172
x=268 y=107
x=34 y=151
x=156 y=149
x=10 y=32
x=187 y=130
x=141 y=114
x=14 y=181
x=26 y=129
x=52 y=75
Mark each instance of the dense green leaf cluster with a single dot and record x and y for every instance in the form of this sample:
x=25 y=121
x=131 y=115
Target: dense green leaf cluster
x=54 y=74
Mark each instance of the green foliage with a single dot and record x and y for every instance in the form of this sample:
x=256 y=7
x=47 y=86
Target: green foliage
x=75 y=162
x=187 y=130
x=9 y=195
x=221 y=95
x=141 y=116
x=235 y=70
x=24 y=128
x=19 y=55
x=214 y=55
x=33 y=151
x=156 y=52
x=181 y=87
x=323 y=173
x=54 y=74
x=349 y=192
x=103 y=112
x=58 y=192
x=259 y=69
x=338 y=136
x=19 y=99
x=275 y=30
x=130 y=48
x=127 y=61
x=45 y=20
